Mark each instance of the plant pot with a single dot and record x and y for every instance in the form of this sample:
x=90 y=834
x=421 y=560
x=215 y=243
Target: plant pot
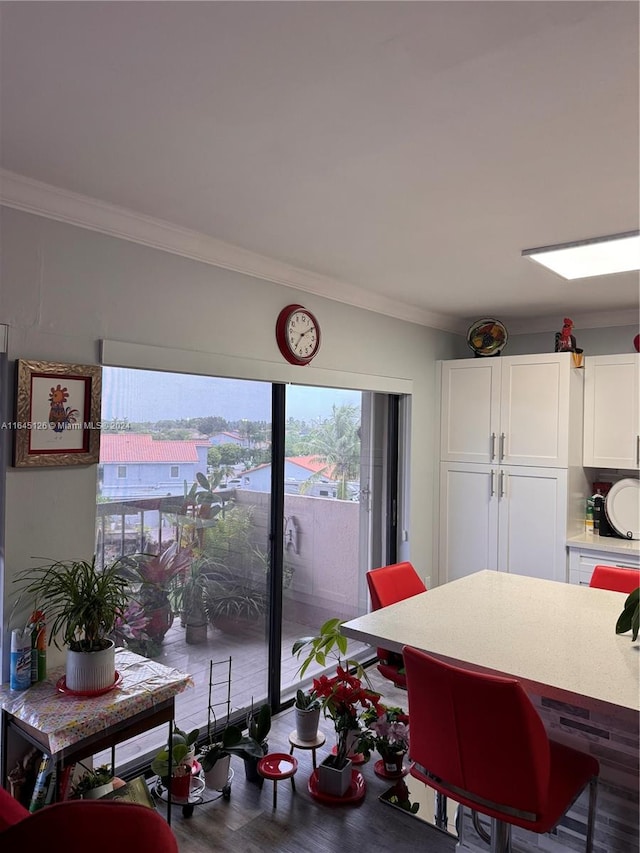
x=218 y=776
x=195 y=634
x=100 y=791
x=251 y=767
x=307 y=720
x=332 y=780
x=180 y=787
x=160 y=620
x=393 y=761
x=90 y=671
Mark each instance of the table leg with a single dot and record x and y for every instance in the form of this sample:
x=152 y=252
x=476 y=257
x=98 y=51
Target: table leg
x=169 y=746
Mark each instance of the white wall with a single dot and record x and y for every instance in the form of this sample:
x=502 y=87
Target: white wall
x=66 y=288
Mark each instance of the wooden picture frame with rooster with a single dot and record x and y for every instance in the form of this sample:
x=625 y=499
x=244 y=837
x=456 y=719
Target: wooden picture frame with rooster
x=57 y=414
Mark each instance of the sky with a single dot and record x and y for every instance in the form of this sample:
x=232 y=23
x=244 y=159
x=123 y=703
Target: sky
x=144 y=395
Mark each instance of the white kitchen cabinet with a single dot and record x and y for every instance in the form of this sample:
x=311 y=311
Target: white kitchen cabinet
x=612 y=412
x=601 y=551
x=515 y=410
x=509 y=518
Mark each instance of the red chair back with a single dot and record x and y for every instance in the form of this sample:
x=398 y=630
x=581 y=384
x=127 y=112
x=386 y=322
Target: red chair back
x=615 y=579
x=478 y=734
x=99 y=826
x=390 y=584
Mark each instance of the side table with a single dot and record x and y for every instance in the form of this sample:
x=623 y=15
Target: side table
x=295 y=742
x=69 y=728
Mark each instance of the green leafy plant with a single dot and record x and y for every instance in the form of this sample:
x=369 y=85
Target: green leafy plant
x=174 y=764
x=329 y=642
x=306 y=700
x=82 y=603
x=231 y=742
x=629 y=619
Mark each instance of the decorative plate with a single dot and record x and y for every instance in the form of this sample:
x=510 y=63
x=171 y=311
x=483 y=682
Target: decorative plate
x=622 y=507
x=61 y=685
x=487 y=336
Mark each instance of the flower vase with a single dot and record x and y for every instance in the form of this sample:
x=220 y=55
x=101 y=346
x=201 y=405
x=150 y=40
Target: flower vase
x=332 y=780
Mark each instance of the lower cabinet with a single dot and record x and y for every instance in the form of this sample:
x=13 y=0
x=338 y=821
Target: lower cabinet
x=582 y=561
x=509 y=518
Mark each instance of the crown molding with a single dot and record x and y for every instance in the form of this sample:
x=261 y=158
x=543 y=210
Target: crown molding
x=585 y=320
x=41 y=199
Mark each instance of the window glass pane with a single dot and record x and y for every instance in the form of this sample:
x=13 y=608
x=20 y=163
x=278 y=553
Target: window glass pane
x=323 y=565
x=175 y=486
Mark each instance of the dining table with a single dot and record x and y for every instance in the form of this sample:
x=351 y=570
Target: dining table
x=559 y=640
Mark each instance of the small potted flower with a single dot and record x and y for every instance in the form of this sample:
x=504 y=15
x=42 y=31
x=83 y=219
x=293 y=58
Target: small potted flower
x=179 y=764
x=307 y=711
x=388 y=733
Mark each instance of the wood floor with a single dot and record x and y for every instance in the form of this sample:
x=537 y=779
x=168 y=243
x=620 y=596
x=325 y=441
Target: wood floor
x=246 y=823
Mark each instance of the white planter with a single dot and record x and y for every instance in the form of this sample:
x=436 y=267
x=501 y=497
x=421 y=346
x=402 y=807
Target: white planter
x=307 y=720
x=91 y=671
x=218 y=776
x=333 y=781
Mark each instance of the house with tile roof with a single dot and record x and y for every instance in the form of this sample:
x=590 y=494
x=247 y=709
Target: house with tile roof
x=134 y=465
x=298 y=470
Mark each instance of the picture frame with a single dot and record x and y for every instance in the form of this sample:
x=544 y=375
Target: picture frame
x=57 y=414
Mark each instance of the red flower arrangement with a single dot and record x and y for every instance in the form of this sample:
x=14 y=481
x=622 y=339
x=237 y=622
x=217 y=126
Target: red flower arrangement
x=344 y=699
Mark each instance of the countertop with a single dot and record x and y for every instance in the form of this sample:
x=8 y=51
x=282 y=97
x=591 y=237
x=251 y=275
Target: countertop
x=558 y=638
x=612 y=544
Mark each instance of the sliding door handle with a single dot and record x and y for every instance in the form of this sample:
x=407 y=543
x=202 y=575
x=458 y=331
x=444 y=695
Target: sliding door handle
x=638 y=450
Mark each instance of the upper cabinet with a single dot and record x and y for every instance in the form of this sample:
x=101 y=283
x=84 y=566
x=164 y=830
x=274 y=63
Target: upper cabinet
x=611 y=416
x=513 y=410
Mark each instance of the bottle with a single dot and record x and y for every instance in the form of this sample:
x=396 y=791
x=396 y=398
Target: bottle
x=20 y=667
x=598 y=509
x=38 y=646
x=588 y=516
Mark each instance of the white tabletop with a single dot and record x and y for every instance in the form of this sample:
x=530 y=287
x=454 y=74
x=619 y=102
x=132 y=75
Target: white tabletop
x=559 y=638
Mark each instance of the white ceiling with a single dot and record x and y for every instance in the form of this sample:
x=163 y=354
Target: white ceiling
x=396 y=155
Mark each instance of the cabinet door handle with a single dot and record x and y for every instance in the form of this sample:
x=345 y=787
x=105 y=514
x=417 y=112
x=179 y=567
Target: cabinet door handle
x=501 y=484
x=493 y=483
x=493 y=446
x=502 y=438
x=638 y=450
x=624 y=566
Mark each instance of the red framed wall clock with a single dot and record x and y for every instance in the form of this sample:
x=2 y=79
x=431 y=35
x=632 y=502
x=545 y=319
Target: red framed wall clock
x=297 y=334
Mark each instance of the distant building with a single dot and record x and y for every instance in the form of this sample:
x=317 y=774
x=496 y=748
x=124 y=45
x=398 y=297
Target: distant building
x=227 y=438
x=134 y=465
x=298 y=470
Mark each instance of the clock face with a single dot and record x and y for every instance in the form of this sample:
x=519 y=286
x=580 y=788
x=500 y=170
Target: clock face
x=297 y=334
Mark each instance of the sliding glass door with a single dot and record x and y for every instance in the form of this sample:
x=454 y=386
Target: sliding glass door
x=249 y=513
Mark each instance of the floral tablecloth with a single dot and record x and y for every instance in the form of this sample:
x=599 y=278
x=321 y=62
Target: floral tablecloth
x=66 y=719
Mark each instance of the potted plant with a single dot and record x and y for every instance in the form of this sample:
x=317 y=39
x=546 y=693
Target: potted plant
x=191 y=598
x=178 y=764
x=94 y=783
x=82 y=604
x=388 y=733
x=343 y=699
x=258 y=727
x=154 y=576
x=629 y=619
x=215 y=755
x=307 y=707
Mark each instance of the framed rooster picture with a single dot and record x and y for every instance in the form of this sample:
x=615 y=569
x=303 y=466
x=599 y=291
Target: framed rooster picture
x=57 y=414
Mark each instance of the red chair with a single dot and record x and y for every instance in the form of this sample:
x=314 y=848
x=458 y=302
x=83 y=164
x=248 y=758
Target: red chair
x=388 y=585
x=615 y=579
x=481 y=742
x=78 y=826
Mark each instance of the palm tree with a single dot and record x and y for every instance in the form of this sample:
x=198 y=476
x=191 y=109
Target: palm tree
x=337 y=443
